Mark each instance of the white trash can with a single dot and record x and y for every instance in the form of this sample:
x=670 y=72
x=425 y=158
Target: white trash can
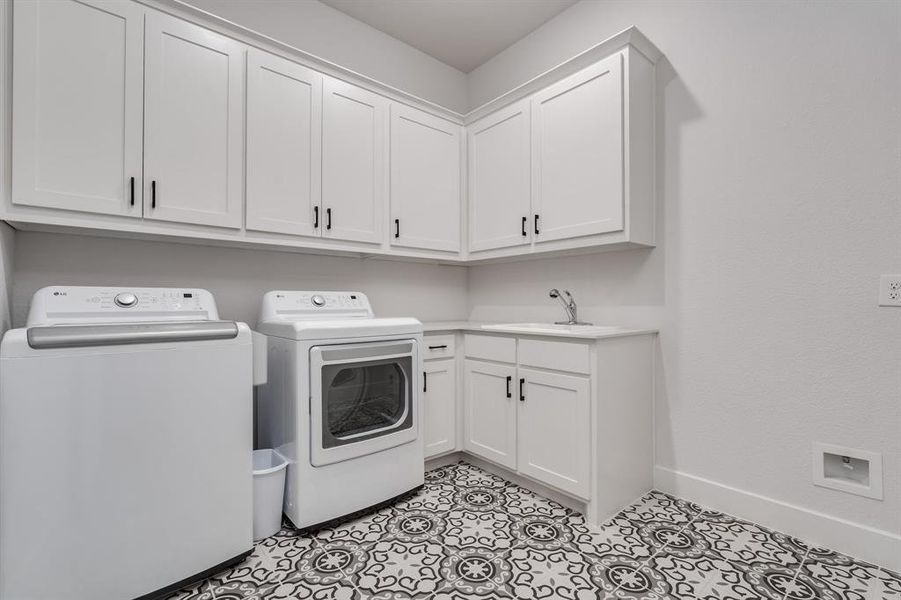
x=268 y=492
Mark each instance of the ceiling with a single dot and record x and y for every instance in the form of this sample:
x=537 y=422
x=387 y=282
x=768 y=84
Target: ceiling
x=461 y=33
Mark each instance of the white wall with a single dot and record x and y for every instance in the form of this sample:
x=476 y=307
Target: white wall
x=236 y=277
x=7 y=233
x=779 y=187
x=7 y=248
x=330 y=34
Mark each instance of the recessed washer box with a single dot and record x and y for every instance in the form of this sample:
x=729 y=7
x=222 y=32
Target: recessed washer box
x=848 y=470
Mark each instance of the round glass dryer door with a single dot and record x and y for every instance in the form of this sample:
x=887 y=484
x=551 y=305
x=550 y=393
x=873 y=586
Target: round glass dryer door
x=362 y=399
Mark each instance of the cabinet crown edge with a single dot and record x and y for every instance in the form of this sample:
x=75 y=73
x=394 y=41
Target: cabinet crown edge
x=631 y=37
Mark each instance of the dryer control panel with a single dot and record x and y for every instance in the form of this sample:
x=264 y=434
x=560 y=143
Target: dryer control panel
x=57 y=305
x=292 y=305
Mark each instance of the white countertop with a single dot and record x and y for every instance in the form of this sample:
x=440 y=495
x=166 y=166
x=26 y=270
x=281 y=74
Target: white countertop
x=479 y=327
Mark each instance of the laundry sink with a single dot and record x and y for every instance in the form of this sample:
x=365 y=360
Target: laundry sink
x=554 y=328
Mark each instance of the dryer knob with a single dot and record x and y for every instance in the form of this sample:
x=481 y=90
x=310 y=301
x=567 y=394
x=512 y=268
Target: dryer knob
x=318 y=301
x=126 y=300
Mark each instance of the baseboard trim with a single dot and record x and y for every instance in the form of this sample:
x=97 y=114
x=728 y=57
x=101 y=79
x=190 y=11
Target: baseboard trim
x=867 y=543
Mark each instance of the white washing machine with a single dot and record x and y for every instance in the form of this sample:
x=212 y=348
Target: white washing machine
x=125 y=444
x=342 y=403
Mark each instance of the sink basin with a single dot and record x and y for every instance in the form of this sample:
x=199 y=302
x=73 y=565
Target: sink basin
x=553 y=328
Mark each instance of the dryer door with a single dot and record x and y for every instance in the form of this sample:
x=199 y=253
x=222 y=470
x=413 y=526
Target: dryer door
x=363 y=399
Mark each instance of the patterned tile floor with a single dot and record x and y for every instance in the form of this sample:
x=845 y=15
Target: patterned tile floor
x=470 y=534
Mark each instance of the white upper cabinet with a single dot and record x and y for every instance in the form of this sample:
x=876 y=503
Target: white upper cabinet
x=500 y=172
x=77 y=84
x=353 y=162
x=128 y=119
x=577 y=146
x=425 y=180
x=193 y=124
x=284 y=115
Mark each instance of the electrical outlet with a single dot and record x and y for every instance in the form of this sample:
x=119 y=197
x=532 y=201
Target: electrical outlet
x=890 y=290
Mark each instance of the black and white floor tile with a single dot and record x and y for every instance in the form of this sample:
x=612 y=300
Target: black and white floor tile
x=469 y=534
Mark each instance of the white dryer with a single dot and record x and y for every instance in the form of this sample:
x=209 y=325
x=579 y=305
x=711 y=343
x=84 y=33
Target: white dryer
x=342 y=403
x=125 y=444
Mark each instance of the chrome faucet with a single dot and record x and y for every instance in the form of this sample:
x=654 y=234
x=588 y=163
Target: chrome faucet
x=569 y=305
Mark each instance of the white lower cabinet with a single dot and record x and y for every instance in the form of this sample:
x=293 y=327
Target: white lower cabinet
x=523 y=413
x=489 y=420
x=572 y=414
x=554 y=423
x=535 y=422
x=440 y=406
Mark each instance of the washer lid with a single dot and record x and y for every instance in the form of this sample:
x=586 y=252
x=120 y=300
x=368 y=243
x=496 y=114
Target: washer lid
x=298 y=329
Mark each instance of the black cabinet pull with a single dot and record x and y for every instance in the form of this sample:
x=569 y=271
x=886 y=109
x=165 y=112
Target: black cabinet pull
x=425 y=381
x=328 y=218
x=536 y=224
x=509 y=381
x=441 y=347
x=524 y=221
x=315 y=217
x=522 y=392
x=132 y=191
x=397 y=228
x=153 y=194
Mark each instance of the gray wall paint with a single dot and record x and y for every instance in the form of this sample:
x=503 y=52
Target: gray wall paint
x=236 y=277
x=7 y=249
x=7 y=233
x=779 y=189
x=330 y=34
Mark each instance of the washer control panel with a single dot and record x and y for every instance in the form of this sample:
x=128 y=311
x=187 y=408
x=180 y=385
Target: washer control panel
x=282 y=304
x=72 y=305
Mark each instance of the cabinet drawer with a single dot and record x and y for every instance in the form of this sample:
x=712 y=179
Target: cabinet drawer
x=560 y=356
x=490 y=347
x=438 y=346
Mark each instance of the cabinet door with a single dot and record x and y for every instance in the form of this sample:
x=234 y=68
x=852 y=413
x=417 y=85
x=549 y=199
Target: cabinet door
x=500 y=172
x=353 y=162
x=284 y=114
x=440 y=406
x=577 y=146
x=555 y=430
x=77 y=83
x=490 y=411
x=194 y=124
x=425 y=180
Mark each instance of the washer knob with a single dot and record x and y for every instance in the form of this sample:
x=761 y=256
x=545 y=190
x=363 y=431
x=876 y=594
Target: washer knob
x=318 y=301
x=126 y=300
